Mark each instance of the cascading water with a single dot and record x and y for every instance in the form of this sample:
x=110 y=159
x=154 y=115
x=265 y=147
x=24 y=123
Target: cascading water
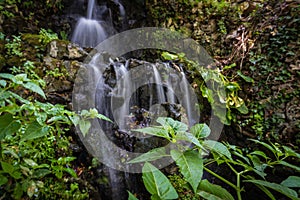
x=184 y=86
x=122 y=92
x=89 y=31
x=159 y=88
x=114 y=84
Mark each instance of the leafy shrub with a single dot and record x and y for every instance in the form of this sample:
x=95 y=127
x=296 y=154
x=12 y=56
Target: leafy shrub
x=47 y=36
x=191 y=161
x=35 y=156
x=14 y=47
x=223 y=93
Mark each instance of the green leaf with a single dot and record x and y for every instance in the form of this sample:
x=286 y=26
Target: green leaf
x=84 y=126
x=20 y=78
x=177 y=126
x=155 y=131
x=277 y=187
x=188 y=137
x=34 y=131
x=131 y=196
x=40 y=173
x=100 y=116
x=6 y=167
x=157 y=183
x=207 y=93
x=208 y=196
x=16 y=175
x=289 y=165
x=217 y=147
x=200 y=130
x=169 y=56
x=291 y=181
x=8 y=125
x=290 y=152
x=190 y=164
x=30 y=162
x=246 y=78
x=211 y=191
x=71 y=172
x=243 y=109
x=265 y=145
x=7 y=76
x=232 y=86
x=152 y=155
x=259 y=153
x=3 y=180
x=75 y=119
x=35 y=88
x=31 y=188
x=3 y=83
x=229 y=66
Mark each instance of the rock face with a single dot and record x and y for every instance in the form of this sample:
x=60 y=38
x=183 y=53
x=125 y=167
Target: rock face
x=60 y=66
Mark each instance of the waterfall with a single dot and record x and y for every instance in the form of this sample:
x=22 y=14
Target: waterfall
x=97 y=25
x=184 y=86
x=170 y=92
x=91 y=5
x=89 y=32
x=159 y=87
x=122 y=92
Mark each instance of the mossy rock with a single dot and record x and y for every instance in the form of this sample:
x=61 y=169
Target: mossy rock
x=32 y=39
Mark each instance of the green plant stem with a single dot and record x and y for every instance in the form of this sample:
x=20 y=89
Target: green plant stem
x=221 y=178
x=238 y=184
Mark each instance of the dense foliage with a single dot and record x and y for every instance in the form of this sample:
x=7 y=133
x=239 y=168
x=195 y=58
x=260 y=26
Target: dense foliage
x=255 y=45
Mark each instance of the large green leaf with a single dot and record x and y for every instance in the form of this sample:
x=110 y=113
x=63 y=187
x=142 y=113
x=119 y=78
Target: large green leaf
x=211 y=191
x=277 y=187
x=152 y=155
x=155 y=131
x=35 y=130
x=35 y=88
x=190 y=164
x=8 y=168
x=217 y=147
x=200 y=130
x=167 y=122
x=291 y=181
x=157 y=183
x=8 y=125
x=84 y=126
x=289 y=165
x=188 y=137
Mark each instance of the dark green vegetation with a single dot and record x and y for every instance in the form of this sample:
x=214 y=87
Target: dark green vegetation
x=256 y=49
x=247 y=167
